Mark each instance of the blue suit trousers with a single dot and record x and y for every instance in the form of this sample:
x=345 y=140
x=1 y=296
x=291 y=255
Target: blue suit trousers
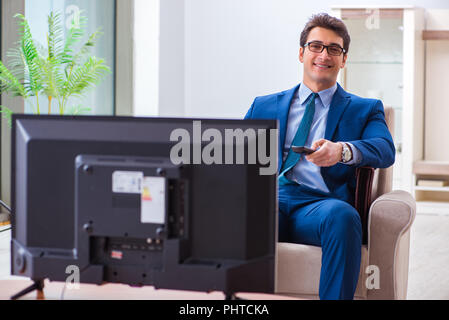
x=316 y=218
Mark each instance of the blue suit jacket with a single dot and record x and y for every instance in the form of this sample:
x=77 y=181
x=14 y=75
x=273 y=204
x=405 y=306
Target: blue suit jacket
x=353 y=119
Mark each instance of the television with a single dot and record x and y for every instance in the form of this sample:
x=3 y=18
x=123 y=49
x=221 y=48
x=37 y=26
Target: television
x=174 y=203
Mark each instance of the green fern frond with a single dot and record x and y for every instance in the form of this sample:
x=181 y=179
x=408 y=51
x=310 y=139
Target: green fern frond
x=86 y=76
x=55 y=36
x=16 y=63
x=52 y=77
x=85 y=49
x=15 y=58
x=6 y=114
x=9 y=83
x=77 y=110
x=31 y=55
x=74 y=35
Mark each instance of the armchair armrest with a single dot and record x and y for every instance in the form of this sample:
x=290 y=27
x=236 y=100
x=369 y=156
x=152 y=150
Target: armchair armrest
x=363 y=190
x=390 y=218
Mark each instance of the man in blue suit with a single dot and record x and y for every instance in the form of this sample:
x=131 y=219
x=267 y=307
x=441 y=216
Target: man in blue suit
x=316 y=191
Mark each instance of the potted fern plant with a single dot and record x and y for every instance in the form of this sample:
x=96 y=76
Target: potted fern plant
x=55 y=73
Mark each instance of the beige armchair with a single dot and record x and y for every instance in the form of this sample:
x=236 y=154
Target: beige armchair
x=385 y=259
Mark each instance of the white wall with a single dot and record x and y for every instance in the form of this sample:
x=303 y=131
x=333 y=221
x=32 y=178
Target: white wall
x=172 y=53
x=217 y=55
x=146 y=57
x=236 y=50
x=437 y=68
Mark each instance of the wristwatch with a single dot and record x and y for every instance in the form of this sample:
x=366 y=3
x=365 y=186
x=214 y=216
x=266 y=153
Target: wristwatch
x=346 y=153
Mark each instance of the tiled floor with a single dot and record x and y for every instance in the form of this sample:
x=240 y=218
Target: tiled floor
x=429 y=256
x=4 y=252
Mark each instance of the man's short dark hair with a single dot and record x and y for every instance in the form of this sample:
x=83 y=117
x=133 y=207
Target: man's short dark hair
x=326 y=21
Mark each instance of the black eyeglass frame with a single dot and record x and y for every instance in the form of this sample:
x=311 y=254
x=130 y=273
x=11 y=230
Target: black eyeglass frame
x=326 y=47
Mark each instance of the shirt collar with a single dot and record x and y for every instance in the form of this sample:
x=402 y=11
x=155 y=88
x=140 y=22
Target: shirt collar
x=325 y=95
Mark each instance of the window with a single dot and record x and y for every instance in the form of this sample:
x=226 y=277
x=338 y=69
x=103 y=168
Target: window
x=99 y=13
x=101 y=100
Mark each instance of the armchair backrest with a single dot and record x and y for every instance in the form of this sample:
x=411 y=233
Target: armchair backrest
x=383 y=178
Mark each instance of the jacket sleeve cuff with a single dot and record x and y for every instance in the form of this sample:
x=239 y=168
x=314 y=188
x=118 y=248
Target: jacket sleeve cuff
x=356 y=155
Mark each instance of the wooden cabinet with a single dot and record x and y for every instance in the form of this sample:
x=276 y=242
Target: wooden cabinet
x=434 y=164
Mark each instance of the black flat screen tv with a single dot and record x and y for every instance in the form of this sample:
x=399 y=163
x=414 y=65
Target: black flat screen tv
x=173 y=203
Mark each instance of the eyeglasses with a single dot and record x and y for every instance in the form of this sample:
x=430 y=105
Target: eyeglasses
x=333 y=49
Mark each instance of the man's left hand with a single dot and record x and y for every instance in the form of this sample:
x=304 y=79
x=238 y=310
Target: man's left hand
x=328 y=154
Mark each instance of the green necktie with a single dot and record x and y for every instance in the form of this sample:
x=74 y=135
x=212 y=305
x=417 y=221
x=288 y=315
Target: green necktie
x=299 y=140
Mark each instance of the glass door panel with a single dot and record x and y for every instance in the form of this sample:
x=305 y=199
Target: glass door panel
x=374 y=68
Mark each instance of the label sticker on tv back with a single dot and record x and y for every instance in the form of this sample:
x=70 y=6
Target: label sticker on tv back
x=153 y=200
x=127 y=181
